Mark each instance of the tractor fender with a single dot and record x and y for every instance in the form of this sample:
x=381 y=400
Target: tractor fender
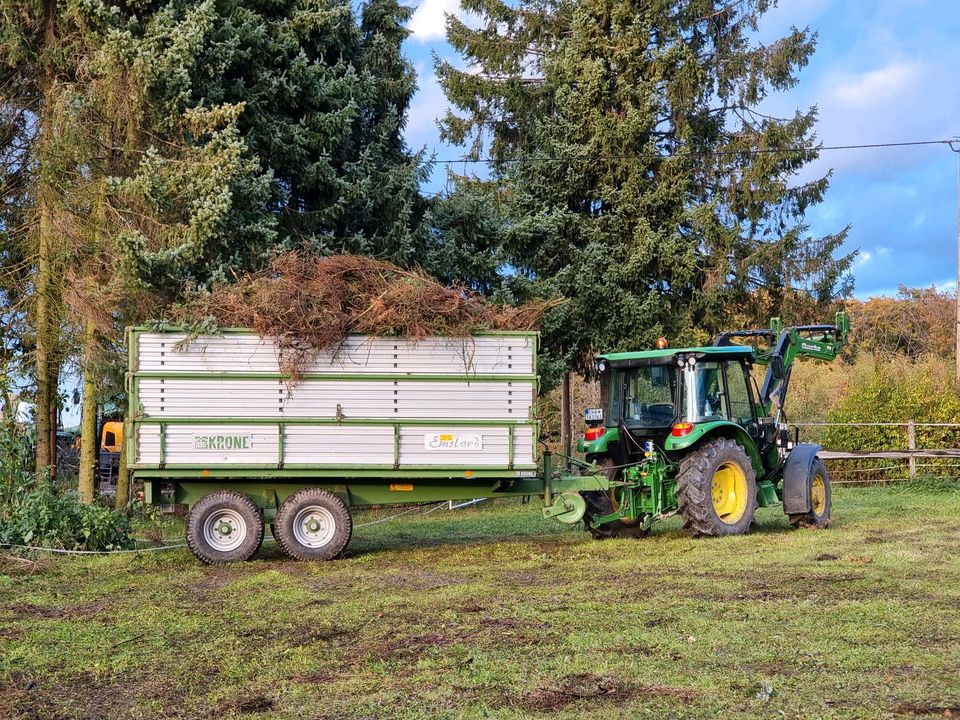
x=796 y=478
x=720 y=428
x=599 y=446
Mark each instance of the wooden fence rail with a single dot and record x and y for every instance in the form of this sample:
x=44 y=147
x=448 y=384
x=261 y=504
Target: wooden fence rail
x=910 y=453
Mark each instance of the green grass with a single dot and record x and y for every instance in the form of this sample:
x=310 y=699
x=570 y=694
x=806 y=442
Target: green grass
x=494 y=613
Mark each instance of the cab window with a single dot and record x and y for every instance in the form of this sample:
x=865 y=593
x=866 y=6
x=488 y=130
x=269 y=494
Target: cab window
x=741 y=407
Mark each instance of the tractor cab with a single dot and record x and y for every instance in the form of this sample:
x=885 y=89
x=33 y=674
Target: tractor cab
x=657 y=395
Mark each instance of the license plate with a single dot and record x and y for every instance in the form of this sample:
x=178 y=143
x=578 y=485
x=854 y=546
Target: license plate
x=593 y=414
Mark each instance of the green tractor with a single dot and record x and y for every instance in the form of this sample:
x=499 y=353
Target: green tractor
x=689 y=431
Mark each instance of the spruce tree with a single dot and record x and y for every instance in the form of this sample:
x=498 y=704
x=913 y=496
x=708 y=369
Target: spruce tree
x=325 y=95
x=640 y=178
x=120 y=185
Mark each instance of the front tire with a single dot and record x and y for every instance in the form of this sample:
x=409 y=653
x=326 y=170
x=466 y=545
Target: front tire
x=717 y=489
x=313 y=524
x=821 y=499
x=223 y=527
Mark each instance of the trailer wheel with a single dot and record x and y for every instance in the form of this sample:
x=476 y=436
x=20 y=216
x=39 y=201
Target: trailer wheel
x=717 y=489
x=821 y=499
x=223 y=527
x=313 y=524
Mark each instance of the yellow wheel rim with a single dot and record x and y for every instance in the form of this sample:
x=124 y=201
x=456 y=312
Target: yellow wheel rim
x=818 y=495
x=729 y=492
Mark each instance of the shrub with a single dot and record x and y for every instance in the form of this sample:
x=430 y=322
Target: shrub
x=16 y=476
x=897 y=390
x=50 y=519
x=34 y=512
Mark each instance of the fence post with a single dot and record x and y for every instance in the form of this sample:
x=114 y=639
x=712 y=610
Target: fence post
x=912 y=445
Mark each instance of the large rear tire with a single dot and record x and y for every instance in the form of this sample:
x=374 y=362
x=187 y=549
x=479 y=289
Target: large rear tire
x=717 y=489
x=223 y=527
x=313 y=524
x=821 y=499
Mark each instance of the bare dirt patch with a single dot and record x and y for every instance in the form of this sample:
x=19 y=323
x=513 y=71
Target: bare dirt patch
x=14 y=565
x=316 y=677
x=27 y=610
x=308 y=634
x=12 y=633
x=947 y=710
x=420 y=580
x=249 y=704
x=586 y=686
x=414 y=645
x=82 y=697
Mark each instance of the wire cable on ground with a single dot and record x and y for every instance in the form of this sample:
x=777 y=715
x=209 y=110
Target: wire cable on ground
x=399 y=514
x=63 y=551
x=175 y=546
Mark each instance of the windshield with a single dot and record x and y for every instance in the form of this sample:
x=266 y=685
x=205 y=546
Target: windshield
x=648 y=396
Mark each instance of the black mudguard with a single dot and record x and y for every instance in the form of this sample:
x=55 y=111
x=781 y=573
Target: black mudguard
x=796 y=478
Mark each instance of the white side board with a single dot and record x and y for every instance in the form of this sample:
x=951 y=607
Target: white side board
x=375 y=402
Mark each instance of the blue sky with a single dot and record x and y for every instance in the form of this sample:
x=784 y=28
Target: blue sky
x=884 y=71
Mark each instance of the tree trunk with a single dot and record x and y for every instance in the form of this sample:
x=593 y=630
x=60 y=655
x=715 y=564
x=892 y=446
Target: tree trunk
x=89 y=446
x=123 y=477
x=54 y=419
x=47 y=329
x=44 y=350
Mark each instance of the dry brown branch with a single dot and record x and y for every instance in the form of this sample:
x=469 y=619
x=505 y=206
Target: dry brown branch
x=308 y=304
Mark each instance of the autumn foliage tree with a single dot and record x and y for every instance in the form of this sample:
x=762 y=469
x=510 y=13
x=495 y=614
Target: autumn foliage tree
x=917 y=322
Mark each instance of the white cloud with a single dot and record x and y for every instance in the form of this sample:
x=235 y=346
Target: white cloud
x=896 y=100
x=864 y=257
x=429 y=21
x=876 y=88
x=427 y=106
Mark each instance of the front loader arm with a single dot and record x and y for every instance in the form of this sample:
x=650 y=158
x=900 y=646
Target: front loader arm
x=823 y=342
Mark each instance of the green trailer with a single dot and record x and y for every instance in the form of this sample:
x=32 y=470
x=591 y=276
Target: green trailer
x=376 y=421
x=384 y=421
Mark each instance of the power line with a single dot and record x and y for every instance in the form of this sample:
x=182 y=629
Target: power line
x=952 y=144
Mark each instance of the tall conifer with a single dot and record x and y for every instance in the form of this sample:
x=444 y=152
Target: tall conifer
x=639 y=173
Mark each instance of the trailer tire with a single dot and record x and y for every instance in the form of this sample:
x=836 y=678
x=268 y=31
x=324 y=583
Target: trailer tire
x=313 y=524
x=717 y=489
x=821 y=499
x=224 y=526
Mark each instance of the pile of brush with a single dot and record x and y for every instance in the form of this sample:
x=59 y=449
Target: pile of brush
x=307 y=304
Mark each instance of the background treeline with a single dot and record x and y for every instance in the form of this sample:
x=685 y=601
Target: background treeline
x=152 y=150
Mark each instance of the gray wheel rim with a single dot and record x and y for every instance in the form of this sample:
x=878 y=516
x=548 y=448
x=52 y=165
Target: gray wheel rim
x=314 y=526
x=225 y=530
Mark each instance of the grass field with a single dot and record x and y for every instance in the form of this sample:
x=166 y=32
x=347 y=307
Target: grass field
x=494 y=613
